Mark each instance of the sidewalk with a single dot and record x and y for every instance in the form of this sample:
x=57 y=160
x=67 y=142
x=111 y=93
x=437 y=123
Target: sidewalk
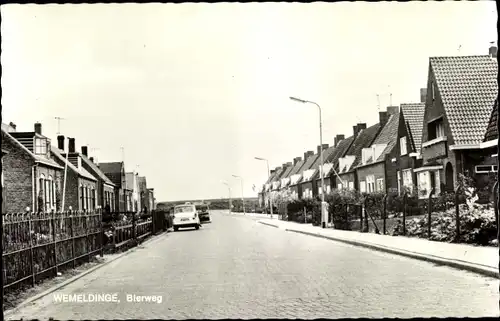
x=256 y=215
x=478 y=259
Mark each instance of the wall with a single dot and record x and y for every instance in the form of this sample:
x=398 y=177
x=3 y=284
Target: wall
x=17 y=171
x=350 y=177
x=377 y=170
x=48 y=172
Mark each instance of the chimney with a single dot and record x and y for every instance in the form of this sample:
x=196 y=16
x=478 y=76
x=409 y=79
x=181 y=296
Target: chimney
x=296 y=160
x=60 y=142
x=272 y=171
x=493 y=52
x=71 y=147
x=392 y=110
x=355 y=130
x=289 y=164
x=84 y=150
x=91 y=159
x=423 y=95
x=382 y=117
x=361 y=126
x=337 y=139
x=38 y=128
x=11 y=124
x=310 y=153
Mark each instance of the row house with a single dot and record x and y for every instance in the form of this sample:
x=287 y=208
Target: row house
x=295 y=175
x=146 y=195
x=461 y=96
x=79 y=185
x=132 y=183
x=105 y=187
x=115 y=171
x=31 y=178
x=364 y=138
x=296 y=179
x=332 y=165
x=309 y=179
x=285 y=178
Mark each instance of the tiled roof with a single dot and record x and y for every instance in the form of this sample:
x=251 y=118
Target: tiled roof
x=363 y=140
x=339 y=152
x=309 y=162
x=79 y=170
x=297 y=168
x=492 y=130
x=96 y=170
x=113 y=171
x=287 y=172
x=36 y=158
x=414 y=116
x=326 y=153
x=277 y=175
x=468 y=88
x=388 y=135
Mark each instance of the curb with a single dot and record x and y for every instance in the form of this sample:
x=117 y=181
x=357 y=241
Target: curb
x=268 y=224
x=479 y=269
x=79 y=276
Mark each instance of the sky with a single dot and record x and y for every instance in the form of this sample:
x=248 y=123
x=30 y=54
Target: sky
x=193 y=92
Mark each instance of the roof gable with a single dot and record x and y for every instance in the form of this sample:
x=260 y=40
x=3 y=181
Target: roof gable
x=340 y=150
x=96 y=170
x=388 y=135
x=57 y=153
x=296 y=169
x=413 y=115
x=468 y=87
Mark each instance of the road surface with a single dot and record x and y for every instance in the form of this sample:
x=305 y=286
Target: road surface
x=237 y=268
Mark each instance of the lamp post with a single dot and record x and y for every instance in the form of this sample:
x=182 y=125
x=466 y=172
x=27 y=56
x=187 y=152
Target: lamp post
x=229 y=189
x=268 y=175
x=323 y=204
x=242 y=197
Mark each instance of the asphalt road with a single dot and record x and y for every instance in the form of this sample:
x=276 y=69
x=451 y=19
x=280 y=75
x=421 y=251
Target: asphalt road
x=237 y=268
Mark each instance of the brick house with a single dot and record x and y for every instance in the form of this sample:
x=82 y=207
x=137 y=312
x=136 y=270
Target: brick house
x=105 y=187
x=487 y=172
x=295 y=176
x=312 y=182
x=461 y=92
x=4 y=152
x=31 y=177
x=81 y=186
x=305 y=185
x=285 y=178
x=407 y=163
x=376 y=172
x=364 y=138
x=341 y=146
x=146 y=195
x=115 y=171
x=132 y=183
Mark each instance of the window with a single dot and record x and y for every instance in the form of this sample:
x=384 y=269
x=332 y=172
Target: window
x=408 y=179
x=370 y=183
x=328 y=189
x=380 y=185
x=351 y=186
x=362 y=187
x=82 y=202
x=485 y=169
x=40 y=146
x=320 y=190
x=399 y=183
x=433 y=93
x=435 y=129
x=402 y=143
x=339 y=186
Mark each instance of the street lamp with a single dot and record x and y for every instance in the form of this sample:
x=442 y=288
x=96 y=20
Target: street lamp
x=323 y=204
x=268 y=175
x=242 y=197
x=229 y=189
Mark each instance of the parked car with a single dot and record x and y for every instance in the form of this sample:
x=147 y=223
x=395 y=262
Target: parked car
x=204 y=213
x=186 y=216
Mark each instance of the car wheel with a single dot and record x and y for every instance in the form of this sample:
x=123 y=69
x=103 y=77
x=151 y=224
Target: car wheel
x=176 y=228
x=197 y=227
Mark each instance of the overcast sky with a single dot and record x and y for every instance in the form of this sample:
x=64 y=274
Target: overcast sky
x=193 y=92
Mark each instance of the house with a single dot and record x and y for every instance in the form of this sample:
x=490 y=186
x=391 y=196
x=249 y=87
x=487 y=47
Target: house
x=31 y=177
x=305 y=186
x=81 y=186
x=285 y=178
x=276 y=181
x=152 y=199
x=377 y=170
x=486 y=173
x=310 y=181
x=105 y=187
x=461 y=93
x=132 y=183
x=331 y=169
x=115 y=171
x=267 y=187
x=412 y=115
x=364 y=138
x=295 y=177
x=146 y=198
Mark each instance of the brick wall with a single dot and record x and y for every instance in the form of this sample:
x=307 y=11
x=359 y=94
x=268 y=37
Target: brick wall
x=350 y=177
x=17 y=171
x=377 y=170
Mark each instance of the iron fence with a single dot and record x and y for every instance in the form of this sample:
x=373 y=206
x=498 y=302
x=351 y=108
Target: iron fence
x=38 y=245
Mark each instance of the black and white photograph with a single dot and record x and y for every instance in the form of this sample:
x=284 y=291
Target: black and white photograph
x=264 y=160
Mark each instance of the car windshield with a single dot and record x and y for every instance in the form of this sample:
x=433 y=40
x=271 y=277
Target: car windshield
x=203 y=208
x=184 y=209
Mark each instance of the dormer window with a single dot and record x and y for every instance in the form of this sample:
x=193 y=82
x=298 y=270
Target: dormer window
x=42 y=146
x=402 y=143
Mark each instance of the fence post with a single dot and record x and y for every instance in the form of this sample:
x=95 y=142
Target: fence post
x=457 y=215
x=72 y=219
x=366 y=228
x=30 y=226
x=134 y=227
x=429 y=215
x=384 y=214
x=405 y=208
x=54 y=234
x=101 y=228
